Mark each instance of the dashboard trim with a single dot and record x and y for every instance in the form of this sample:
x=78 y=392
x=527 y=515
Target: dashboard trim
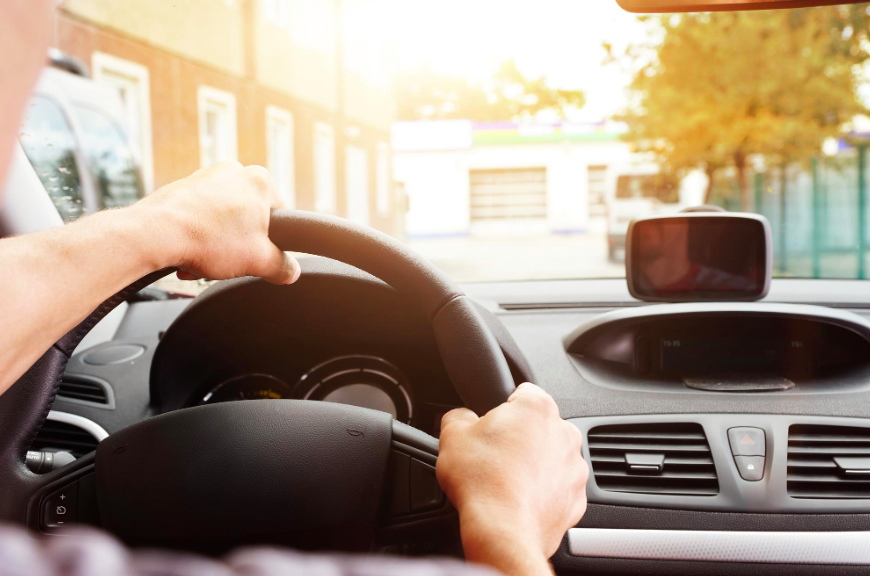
x=817 y=548
x=770 y=495
x=838 y=317
x=89 y=426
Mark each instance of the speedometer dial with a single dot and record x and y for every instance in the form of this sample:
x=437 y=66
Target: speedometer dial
x=364 y=381
x=248 y=387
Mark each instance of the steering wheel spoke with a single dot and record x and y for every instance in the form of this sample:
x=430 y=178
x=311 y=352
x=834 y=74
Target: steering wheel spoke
x=415 y=511
x=65 y=498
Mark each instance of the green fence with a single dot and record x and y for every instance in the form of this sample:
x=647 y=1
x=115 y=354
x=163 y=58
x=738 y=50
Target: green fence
x=818 y=215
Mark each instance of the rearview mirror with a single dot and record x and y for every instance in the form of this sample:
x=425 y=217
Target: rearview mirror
x=648 y=6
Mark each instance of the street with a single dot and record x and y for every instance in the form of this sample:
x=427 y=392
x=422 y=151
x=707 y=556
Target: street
x=495 y=258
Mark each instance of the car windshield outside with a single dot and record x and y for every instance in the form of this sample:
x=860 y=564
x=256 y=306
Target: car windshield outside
x=503 y=140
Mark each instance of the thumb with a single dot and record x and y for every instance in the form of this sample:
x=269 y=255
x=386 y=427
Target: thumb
x=278 y=267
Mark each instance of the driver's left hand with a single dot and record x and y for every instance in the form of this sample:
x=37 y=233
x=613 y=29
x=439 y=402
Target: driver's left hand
x=215 y=224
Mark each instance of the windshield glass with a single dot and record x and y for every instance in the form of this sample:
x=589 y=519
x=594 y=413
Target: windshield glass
x=48 y=142
x=501 y=140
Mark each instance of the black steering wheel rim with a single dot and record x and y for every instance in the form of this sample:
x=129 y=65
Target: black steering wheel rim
x=471 y=354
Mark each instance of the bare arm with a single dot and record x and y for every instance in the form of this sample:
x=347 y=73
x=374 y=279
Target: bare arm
x=518 y=479
x=212 y=224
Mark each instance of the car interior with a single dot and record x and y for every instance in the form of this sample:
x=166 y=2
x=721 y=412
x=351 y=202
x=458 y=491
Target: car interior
x=726 y=416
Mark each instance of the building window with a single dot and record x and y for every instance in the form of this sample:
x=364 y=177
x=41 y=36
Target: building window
x=510 y=193
x=280 y=155
x=277 y=12
x=384 y=182
x=217 y=126
x=357 y=177
x=597 y=186
x=324 y=168
x=134 y=85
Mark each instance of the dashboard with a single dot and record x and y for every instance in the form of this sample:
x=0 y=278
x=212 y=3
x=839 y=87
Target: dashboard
x=665 y=394
x=358 y=380
x=355 y=341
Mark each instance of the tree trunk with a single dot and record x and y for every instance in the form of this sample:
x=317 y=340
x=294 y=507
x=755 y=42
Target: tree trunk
x=711 y=181
x=742 y=184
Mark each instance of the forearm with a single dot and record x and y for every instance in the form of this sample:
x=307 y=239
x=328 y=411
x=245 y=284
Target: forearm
x=53 y=279
x=503 y=543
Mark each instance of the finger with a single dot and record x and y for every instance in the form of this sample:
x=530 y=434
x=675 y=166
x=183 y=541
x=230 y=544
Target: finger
x=223 y=166
x=278 y=267
x=527 y=394
x=185 y=275
x=458 y=416
x=263 y=179
x=526 y=390
x=276 y=200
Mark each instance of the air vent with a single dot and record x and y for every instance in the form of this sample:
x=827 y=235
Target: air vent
x=60 y=436
x=828 y=462
x=84 y=389
x=653 y=459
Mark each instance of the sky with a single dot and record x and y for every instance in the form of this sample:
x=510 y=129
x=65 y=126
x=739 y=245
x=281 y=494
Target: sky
x=559 y=39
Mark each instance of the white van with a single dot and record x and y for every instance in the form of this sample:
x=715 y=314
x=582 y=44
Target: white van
x=73 y=133
x=642 y=190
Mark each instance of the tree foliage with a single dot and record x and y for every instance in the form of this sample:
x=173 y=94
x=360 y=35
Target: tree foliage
x=424 y=94
x=720 y=89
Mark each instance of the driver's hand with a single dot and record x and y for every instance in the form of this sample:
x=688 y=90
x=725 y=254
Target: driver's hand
x=517 y=477
x=215 y=224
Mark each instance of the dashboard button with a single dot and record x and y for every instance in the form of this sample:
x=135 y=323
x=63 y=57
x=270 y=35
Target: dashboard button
x=59 y=508
x=747 y=441
x=751 y=468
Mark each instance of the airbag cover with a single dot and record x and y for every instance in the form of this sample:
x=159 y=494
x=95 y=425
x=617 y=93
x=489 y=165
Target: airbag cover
x=260 y=471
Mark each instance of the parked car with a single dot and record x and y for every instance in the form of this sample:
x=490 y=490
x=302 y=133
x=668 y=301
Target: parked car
x=73 y=134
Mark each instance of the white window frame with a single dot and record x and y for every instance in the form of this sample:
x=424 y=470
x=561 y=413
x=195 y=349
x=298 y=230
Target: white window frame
x=325 y=194
x=277 y=12
x=383 y=181
x=208 y=97
x=358 y=207
x=106 y=69
x=282 y=116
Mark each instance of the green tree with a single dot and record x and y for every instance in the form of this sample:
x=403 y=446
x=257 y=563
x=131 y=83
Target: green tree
x=718 y=89
x=423 y=94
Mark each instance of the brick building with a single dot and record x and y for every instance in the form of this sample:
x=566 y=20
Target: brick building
x=299 y=86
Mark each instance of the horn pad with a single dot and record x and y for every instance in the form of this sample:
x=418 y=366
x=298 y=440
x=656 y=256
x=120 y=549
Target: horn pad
x=284 y=472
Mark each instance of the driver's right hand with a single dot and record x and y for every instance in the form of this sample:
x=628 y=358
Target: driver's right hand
x=517 y=477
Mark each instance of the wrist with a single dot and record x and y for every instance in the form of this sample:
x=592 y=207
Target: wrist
x=160 y=235
x=503 y=538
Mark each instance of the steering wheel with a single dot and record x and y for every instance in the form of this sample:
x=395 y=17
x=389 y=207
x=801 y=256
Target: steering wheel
x=311 y=475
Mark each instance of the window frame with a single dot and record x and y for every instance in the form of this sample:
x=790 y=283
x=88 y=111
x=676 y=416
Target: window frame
x=328 y=205
x=276 y=12
x=106 y=66
x=282 y=116
x=353 y=152
x=383 y=179
x=208 y=97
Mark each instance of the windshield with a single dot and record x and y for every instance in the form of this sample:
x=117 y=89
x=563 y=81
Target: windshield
x=501 y=140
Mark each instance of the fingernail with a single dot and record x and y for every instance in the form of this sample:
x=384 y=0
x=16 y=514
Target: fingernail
x=297 y=271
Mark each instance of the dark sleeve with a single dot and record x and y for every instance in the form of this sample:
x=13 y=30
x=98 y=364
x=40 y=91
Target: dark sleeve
x=93 y=553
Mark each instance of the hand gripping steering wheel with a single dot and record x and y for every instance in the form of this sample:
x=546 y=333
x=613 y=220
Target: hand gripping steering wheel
x=304 y=474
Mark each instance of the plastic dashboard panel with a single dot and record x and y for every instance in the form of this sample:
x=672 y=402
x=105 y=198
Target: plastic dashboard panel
x=769 y=495
x=598 y=346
